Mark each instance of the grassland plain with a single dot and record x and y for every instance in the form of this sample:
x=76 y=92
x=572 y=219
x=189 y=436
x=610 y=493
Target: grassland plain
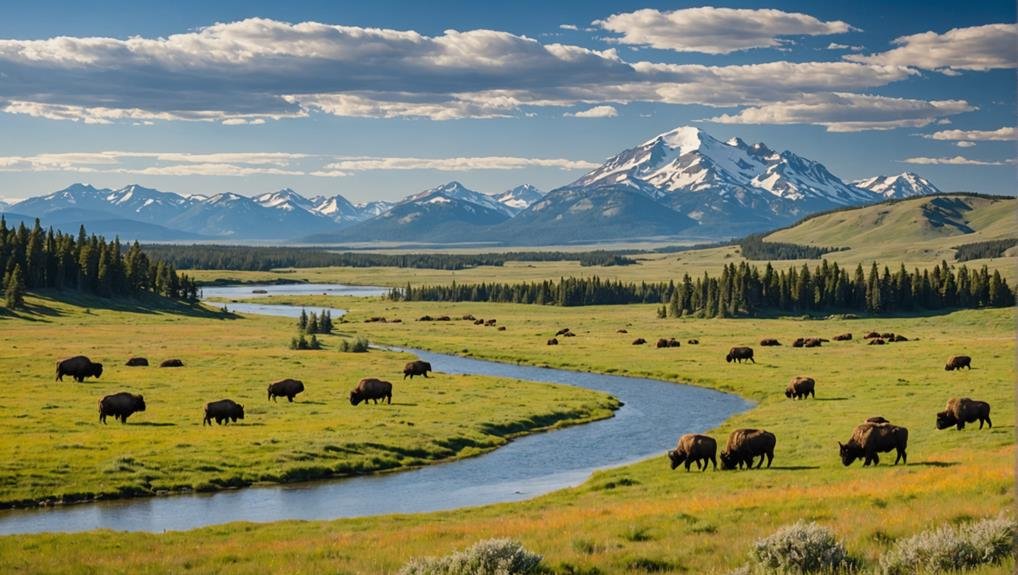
x=644 y=517
x=53 y=448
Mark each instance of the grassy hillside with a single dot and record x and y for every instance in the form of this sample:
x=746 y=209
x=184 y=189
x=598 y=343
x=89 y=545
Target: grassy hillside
x=644 y=517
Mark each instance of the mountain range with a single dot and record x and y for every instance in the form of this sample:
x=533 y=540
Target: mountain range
x=681 y=183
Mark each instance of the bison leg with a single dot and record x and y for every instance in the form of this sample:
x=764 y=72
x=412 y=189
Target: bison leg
x=206 y=421
x=79 y=379
x=961 y=425
x=102 y=418
x=713 y=461
x=388 y=399
x=901 y=457
x=425 y=374
x=123 y=419
x=988 y=422
x=688 y=461
x=289 y=398
x=751 y=359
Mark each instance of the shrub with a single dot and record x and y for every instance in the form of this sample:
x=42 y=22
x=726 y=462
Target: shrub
x=801 y=548
x=952 y=548
x=489 y=557
x=359 y=345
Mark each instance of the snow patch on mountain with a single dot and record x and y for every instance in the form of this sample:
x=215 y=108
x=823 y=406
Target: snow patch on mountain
x=903 y=185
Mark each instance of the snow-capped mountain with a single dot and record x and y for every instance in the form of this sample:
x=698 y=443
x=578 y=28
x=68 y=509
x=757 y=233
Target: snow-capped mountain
x=520 y=197
x=457 y=191
x=372 y=209
x=287 y=199
x=904 y=185
x=4 y=206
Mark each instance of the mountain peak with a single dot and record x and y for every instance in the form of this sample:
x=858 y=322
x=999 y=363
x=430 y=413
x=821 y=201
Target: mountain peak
x=685 y=139
x=903 y=185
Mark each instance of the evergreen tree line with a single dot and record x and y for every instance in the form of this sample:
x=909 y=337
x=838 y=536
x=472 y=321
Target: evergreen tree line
x=314 y=323
x=745 y=290
x=980 y=250
x=35 y=258
x=754 y=248
x=258 y=258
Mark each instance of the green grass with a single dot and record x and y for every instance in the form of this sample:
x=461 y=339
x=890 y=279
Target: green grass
x=644 y=517
x=54 y=447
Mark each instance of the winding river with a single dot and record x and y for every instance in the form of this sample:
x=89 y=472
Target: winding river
x=654 y=414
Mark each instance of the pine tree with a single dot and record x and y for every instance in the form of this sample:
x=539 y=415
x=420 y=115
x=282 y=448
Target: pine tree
x=14 y=289
x=302 y=321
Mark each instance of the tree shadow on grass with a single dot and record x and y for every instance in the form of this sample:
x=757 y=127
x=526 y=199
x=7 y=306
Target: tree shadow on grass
x=794 y=467
x=154 y=424
x=404 y=404
x=934 y=464
x=144 y=304
x=833 y=398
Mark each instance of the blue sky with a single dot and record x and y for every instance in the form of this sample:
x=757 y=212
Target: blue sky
x=377 y=100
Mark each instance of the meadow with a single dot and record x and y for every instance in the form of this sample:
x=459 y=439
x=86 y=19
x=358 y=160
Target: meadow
x=645 y=517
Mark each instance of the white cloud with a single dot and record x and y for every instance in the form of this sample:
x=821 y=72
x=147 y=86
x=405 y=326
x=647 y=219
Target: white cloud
x=965 y=144
x=596 y=112
x=955 y=161
x=1006 y=133
x=572 y=27
x=359 y=164
x=975 y=48
x=849 y=112
x=836 y=46
x=715 y=30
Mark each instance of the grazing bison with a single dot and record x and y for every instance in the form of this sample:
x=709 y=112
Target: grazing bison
x=79 y=367
x=843 y=337
x=468 y=317
x=812 y=342
x=490 y=322
x=224 y=410
x=801 y=387
x=553 y=341
x=562 y=331
x=961 y=411
x=416 y=368
x=501 y=328
x=622 y=331
x=672 y=342
x=425 y=318
x=478 y=322
x=693 y=342
x=662 y=343
x=877 y=419
x=370 y=388
x=172 y=363
x=869 y=439
x=694 y=448
x=888 y=335
x=639 y=341
x=287 y=388
x=744 y=445
x=740 y=353
x=876 y=341
x=958 y=362
x=397 y=320
x=569 y=334
x=871 y=335
x=769 y=342
x=799 y=342
x=137 y=362
x=900 y=337
x=120 y=406
x=443 y=318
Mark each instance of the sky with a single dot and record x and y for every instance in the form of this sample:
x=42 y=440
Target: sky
x=376 y=100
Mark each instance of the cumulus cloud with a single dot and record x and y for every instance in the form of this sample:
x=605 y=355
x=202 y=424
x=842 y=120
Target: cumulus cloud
x=955 y=161
x=715 y=30
x=836 y=46
x=965 y=144
x=1006 y=133
x=974 y=48
x=849 y=112
x=572 y=27
x=596 y=112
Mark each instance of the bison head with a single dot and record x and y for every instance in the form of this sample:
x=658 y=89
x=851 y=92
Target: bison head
x=139 y=401
x=849 y=453
x=728 y=460
x=239 y=412
x=948 y=367
x=298 y=386
x=355 y=397
x=676 y=458
x=97 y=369
x=946 y=419
x=728 y=358
x=788 y=393
x=426 y=365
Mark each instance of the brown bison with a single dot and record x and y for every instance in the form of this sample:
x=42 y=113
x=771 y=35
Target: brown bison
x=801 y=387
x=843 y=337
x=740 y=353
x=569 y=334
x=958 y=362
x=425 y=318
x=900 y=337
x=869 y=439
x=287 y=388
x=672 y=342
x=79 y=367
x=416 y=368
x=224 y=410
x=468 y=317
x=562 y=331
x=693 y=342
x=478 y=322
x=961 y=411
x=877 y=419
x=622 y=331
x=871 y=335
x=501 y=328
x=443 y=318
x=769 y=342
x=694 y=448
x=812 y=342
x=373 y=389
x=137 y=362
x=799 y=342
x=490 y=322
x=120 y=405
x=397 y=320
x=662 y=343
x=877 y=341
x=553 y=341
x=888 y=335
x=639 y=341
x=172 y=363
x=744 y=445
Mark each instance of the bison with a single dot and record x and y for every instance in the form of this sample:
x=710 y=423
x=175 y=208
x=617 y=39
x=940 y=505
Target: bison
x=694 y=448
x=740 y=353
x=569 y=334
x=137 y=362
x=79 y=367
x=622 y=331
x=287 y=388
x=501 y=328
x=801 y=387
x=888 y=335
x=693 y=342
x=812 y=342
x=443 y=318
x=672 y=342
x=425 y=318
x=961 y=411
x=224 y=410
x=871 y=335
x=562 y=331
x=662 y=343
x=877 y=419
x=478 y=322
x=843 y=337
x=900 y=337
x=799 y=342
x=172 y=363
x=120 y=405
x=553 y=341
x=468 y=317
x=877 y=341
x=769 y=342
x=490 y=322
x=869 y=439
x=958 y=362
x=744 y=445
x=639 y=341
x=416 y=368
x=370 y=388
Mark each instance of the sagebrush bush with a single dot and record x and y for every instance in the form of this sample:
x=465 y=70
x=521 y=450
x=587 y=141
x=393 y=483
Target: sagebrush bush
x=801 y=548
x=488 y=557
x=952 y=548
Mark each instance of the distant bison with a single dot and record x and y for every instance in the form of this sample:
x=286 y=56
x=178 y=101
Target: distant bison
x=478 y=322
x=961 y=411
x=120 y=405
x=812 y=342
x=744 y=445
x=799 y=342
x=373 y=389
x=490 y=322
x=672 y=342
x=740 y=353
x=172 y=363
x=79 y=367
x=562 y=331
x=801 y=387
x=877 y=341
x=622 y=331
x=877 y=419
x=871 y=335
x=137 y=362
x=693 y=342
x=888 y=335
x=843 y=337
x=224 y=410
x=501 y=328
x=639 y=341
x=662 y=343
x=694 y=448
x=287 y=388
x=468 y=317
x=552 y=341
x=416 y=368
x=425 y=318
x=443 y=318
x=869 y=439
x=958 y=362
x=569 y=334
x=769 y=342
